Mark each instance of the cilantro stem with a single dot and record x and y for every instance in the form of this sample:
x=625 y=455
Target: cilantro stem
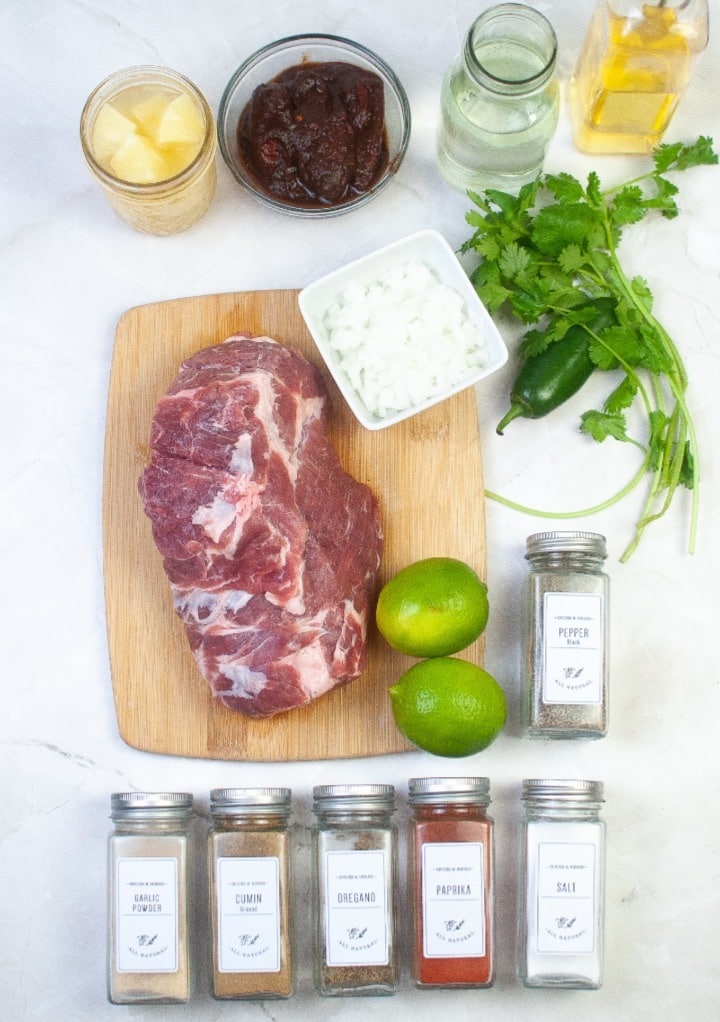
x=583 y=512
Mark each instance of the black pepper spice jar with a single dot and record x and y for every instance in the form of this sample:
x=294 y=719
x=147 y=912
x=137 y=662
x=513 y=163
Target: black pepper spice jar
x=355 y=898
x=566 y=636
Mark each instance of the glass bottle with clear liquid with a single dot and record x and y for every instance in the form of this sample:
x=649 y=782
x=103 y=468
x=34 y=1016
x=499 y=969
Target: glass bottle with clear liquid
x=499 y=101
x=632 y=71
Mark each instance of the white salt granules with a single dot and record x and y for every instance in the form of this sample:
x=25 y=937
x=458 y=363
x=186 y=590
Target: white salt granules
x=403 y=339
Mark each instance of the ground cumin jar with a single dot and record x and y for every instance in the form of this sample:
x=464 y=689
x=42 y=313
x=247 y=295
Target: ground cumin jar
x=149 y=140
x=249 y=862
x=148 y=912
x=355 y=897
x=451 y=881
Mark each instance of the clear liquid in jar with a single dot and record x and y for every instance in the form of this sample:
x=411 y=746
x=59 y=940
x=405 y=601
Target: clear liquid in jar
x=488 y=140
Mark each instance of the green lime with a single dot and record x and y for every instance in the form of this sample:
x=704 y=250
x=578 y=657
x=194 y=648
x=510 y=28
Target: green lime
x=448 y=706
x=433 y=607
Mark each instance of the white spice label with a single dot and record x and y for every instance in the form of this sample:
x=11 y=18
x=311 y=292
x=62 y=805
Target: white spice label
x=573 y=648
x=248 y=914
x=147 y=914
x=356 y=908
x=453 y=900
x=566 y=898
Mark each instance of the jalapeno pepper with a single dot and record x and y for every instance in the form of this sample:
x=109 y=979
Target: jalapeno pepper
x=547 y=380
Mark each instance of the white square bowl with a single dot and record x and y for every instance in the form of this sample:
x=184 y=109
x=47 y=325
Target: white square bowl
x=428 y=247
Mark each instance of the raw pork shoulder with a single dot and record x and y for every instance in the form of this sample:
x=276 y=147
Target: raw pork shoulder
x=272 y=550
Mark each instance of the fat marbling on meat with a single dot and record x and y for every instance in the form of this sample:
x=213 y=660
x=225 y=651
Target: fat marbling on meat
x=272 y=550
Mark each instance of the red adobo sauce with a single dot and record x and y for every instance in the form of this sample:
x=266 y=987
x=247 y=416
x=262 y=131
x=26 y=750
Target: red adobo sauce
x=315 y=135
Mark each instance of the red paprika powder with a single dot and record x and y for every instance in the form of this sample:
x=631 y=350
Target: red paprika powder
x=451 y=881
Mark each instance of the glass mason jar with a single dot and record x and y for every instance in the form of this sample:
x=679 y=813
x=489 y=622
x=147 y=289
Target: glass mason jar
x=250 y=883
x=632 y=71
x=566 y=636
x=451 y=881
x=562 y=902
x=173 y=184
x=148 y=901
x=355 y=898
x=499 y=101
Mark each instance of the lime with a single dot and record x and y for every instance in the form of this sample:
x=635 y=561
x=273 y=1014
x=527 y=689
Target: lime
x=448 y=706
x=433 y=607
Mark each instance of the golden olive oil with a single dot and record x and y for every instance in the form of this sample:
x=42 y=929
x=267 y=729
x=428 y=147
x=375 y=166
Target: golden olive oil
x=630 y=75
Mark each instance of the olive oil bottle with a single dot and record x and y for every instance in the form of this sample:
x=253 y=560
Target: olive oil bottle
x=632 y=71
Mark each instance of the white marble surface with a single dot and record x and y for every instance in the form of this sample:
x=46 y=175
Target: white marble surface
x=69 y=270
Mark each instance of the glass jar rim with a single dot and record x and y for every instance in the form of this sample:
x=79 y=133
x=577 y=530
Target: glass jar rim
x=116 y=83
x=496 y=82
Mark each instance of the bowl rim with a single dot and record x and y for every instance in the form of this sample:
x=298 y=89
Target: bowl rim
x=320 y=38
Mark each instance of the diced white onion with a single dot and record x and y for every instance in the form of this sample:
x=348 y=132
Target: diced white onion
x=403 y=339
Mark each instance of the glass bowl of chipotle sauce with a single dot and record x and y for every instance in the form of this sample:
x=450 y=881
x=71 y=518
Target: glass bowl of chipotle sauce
x=314 y=125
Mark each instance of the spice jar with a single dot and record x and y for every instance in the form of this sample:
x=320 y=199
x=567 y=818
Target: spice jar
x=355 y=900
x=451 y=881
x=499 y=101
x=249 y=861
x=561 y=922
x=566 y=636
x=632 y=70
x=159 y=178
x=148 y=912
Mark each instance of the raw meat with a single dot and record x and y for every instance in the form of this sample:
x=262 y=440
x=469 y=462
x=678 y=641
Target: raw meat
x=272 y=550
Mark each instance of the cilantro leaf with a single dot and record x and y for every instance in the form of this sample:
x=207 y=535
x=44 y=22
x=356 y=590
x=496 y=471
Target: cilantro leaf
x=601 y=425
x=557 y=226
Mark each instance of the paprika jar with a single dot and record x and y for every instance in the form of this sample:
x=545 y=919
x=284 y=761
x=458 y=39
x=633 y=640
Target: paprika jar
x=249 y=862
x=499 y=101
x=148 y=898
x=566 y=636
x=355 y=892
x=562 y=902
x=451 y=881
x=632 y=71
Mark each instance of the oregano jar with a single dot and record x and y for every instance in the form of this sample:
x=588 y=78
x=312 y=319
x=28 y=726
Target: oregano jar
x=356 y=889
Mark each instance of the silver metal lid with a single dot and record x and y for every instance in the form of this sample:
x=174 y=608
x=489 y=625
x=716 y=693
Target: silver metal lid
x=227 y=801
x=139 y=804
x=368 y=797
x=563 y=791
x=591 y=543
x=432 y=790
x=151 y=800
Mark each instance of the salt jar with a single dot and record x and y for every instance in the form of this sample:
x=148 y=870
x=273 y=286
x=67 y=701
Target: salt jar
x=562 y=899
x=148 y=898
x=355 y=906
x=566 y=640
x=632 y=71
x=499 y=101
x=451 y=881
x=250 y=884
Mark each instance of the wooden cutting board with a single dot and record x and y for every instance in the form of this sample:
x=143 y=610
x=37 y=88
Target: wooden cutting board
x=426 y=473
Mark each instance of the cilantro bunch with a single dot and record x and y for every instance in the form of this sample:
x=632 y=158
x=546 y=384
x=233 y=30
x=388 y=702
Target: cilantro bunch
x=551 y=251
